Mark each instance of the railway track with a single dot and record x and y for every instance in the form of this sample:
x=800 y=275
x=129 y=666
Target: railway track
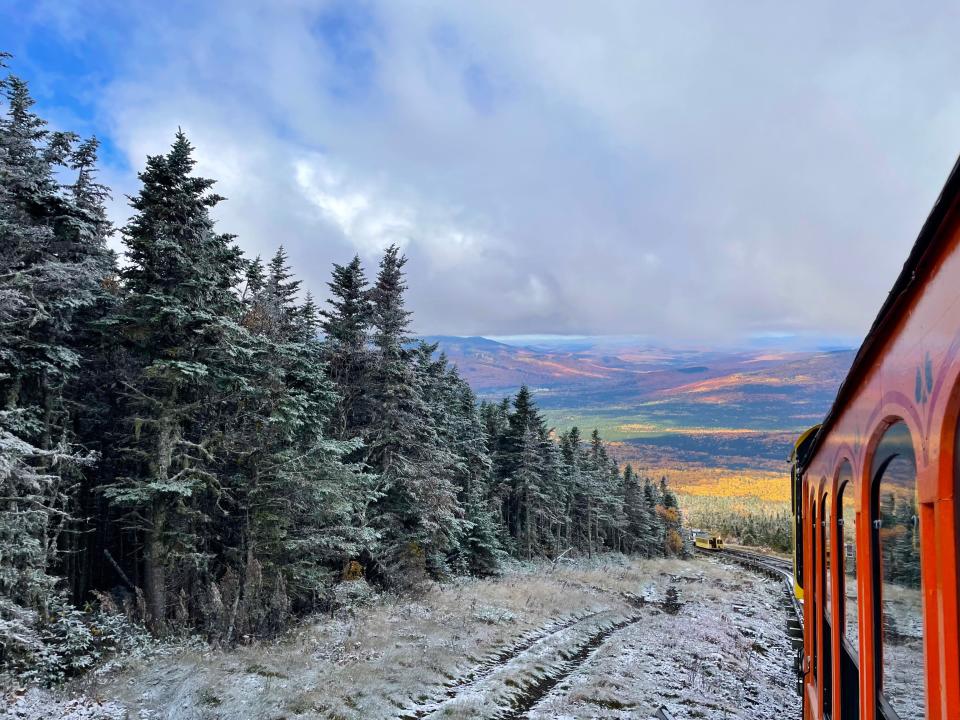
x=773 y=567
x=778 y=569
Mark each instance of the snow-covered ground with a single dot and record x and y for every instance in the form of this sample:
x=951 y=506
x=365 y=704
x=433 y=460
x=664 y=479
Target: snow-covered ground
x=607 y=639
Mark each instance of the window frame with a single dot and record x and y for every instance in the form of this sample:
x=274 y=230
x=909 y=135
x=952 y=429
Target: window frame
x=884 y=709
x=825 y=582
x=840 y=521
x=814 y=588
x=826 y=550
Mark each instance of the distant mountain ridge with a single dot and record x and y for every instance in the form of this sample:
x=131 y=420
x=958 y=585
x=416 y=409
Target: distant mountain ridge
x=606 y=374
x=737 y=410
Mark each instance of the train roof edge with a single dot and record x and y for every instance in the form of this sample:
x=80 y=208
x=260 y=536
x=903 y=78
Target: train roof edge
x=801 y=448
x=916 y=264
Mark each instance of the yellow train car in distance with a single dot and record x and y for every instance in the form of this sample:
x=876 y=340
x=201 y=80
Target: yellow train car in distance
x=707 y=541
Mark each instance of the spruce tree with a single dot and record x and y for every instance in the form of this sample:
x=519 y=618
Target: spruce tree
x=656 y=529
x=296 y=497
x=281 y=294
x=529 y=491
x=417 y=507
x=54 y=268
x=479 y=544
x=551 y=496
x=573 y=494
x=346 y=326
x=177 y=325
x=631 y=498
x=593 y=489
x=517 y=459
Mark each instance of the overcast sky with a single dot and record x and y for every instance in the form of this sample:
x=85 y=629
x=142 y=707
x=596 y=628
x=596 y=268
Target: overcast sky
x=687 y=170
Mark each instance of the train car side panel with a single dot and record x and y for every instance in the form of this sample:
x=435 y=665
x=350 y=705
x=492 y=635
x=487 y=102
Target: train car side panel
x=912 y=377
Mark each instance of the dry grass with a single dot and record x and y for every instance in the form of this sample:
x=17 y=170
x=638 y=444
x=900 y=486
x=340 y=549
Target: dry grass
x=396 y=654
x=376 y=661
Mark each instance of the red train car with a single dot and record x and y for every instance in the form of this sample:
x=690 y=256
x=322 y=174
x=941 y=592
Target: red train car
x=876 y=517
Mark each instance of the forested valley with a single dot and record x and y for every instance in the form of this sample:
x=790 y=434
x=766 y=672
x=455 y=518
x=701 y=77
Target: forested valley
x=189 y=440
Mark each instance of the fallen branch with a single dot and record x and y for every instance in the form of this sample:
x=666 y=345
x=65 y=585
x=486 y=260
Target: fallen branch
x=559 y=557
x=120 y=572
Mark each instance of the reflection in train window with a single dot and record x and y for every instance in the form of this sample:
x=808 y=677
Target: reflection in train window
x=896 y=543
x=847 y=520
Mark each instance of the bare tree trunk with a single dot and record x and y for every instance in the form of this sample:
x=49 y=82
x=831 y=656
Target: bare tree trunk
x=154 y=576
x=589 y=527
x=527 y=517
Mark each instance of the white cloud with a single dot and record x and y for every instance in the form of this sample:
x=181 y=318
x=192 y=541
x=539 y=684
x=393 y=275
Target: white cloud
x=371 y=220
x=688 y=169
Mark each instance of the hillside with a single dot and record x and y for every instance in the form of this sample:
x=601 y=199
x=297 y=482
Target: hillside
x=721 y=418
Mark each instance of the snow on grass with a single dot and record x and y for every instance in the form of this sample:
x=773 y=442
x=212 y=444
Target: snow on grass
x=724 y=655
x=37 y=704
x=584 y=639
x=509 y=684
x=374 y=663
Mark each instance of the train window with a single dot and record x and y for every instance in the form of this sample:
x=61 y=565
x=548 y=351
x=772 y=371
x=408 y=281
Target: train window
x=826 y=695
x=845 y=560
x=826 y=550
x=896 y=544
x=795 y=495
x=814 y=589
x=847 y=556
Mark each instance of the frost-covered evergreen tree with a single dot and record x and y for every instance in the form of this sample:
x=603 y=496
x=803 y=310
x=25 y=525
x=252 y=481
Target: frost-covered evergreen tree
x=177 y=323
x=54 y=266
x=570 y=445
x=631 y=507
x=519 y=462
x=528 y=491
x=294 y=496
x=654 y=537
x=480 y=544
x=416 y=512
x=346 y=326
x=639 y=509
x=596 y=492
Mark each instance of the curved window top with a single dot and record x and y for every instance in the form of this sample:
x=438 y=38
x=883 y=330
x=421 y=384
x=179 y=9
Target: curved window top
x=844 y=472
x=895 y=460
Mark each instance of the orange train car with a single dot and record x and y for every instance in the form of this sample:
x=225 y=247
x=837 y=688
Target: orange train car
x=876 y=526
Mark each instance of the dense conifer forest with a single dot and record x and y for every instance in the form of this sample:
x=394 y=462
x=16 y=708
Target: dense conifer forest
x=186 y=434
